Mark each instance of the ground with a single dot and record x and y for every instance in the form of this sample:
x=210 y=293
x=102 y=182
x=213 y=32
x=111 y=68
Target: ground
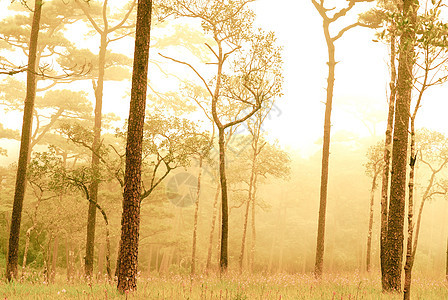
x=231 y=286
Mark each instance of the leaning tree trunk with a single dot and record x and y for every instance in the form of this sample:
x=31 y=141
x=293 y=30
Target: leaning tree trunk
x=318 y=268
x=13 y=249
x=395 y=235
x=386 y=169
x=130 y=222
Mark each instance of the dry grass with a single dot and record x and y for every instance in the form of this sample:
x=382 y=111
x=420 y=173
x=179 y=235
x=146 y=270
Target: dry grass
x=230 y=286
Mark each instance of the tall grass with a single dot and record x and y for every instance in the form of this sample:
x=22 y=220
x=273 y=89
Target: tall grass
x=229 y=286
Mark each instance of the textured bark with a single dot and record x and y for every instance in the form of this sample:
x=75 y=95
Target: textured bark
x=318 y=268
x=13 y=249
x=196 y=215
x=369 y=234
x=395 y=235
x=130 y=221
x=387 y=151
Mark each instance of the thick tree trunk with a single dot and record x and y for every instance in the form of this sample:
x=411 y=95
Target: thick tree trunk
x=325 y=154
x=386 y=169
x=223 y=261
x=196 y=215
x=128 y=255
x=395 y=235
x=369 y=234
x=13 y=249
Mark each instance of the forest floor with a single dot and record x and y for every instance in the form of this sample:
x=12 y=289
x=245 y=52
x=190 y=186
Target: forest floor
x=230 y=286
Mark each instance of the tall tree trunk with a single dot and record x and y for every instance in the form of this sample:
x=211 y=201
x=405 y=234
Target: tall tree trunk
x=212 y=229
x=91 y=218
x=395 y=235
x=223 y=261
x=369 y=234
x=196 y=214
x=16 y=218
x=387 y=151
x=130 y=221
x=325 y=154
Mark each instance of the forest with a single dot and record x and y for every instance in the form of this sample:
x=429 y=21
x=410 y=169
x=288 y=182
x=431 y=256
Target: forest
x=223 y=149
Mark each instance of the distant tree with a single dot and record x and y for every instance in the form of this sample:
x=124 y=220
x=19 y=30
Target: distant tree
x=328 y=20
x=105 y=31
x=11 y=267
x=433 y=150
x=374 y=166
x=248 y=73
x=128 y=254
x=267 y=160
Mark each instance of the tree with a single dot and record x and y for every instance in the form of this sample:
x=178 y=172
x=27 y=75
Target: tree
x=11 y=267
x=374 y=166
x=433 y=148
x=247 y=73
x=128 y=253
x=98 y=86
x=330 y=40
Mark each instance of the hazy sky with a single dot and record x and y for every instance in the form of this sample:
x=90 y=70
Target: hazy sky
x=361 y=76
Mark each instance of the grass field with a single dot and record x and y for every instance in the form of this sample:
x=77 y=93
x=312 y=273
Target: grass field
x=230 y=286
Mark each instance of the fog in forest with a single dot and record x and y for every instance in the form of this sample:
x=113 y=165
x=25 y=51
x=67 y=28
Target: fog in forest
x=273 y=158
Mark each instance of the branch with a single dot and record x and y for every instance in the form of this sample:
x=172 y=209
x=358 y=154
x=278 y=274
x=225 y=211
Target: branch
x=124 y=18
x=92 y=21
x=191 y=67
x=345 y=29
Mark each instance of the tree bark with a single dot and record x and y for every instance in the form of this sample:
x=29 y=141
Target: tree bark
x=387 y=152
x=325 y=154
x=128 y=254
x=223 y=262
x=395 y=235
x=13 y=249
